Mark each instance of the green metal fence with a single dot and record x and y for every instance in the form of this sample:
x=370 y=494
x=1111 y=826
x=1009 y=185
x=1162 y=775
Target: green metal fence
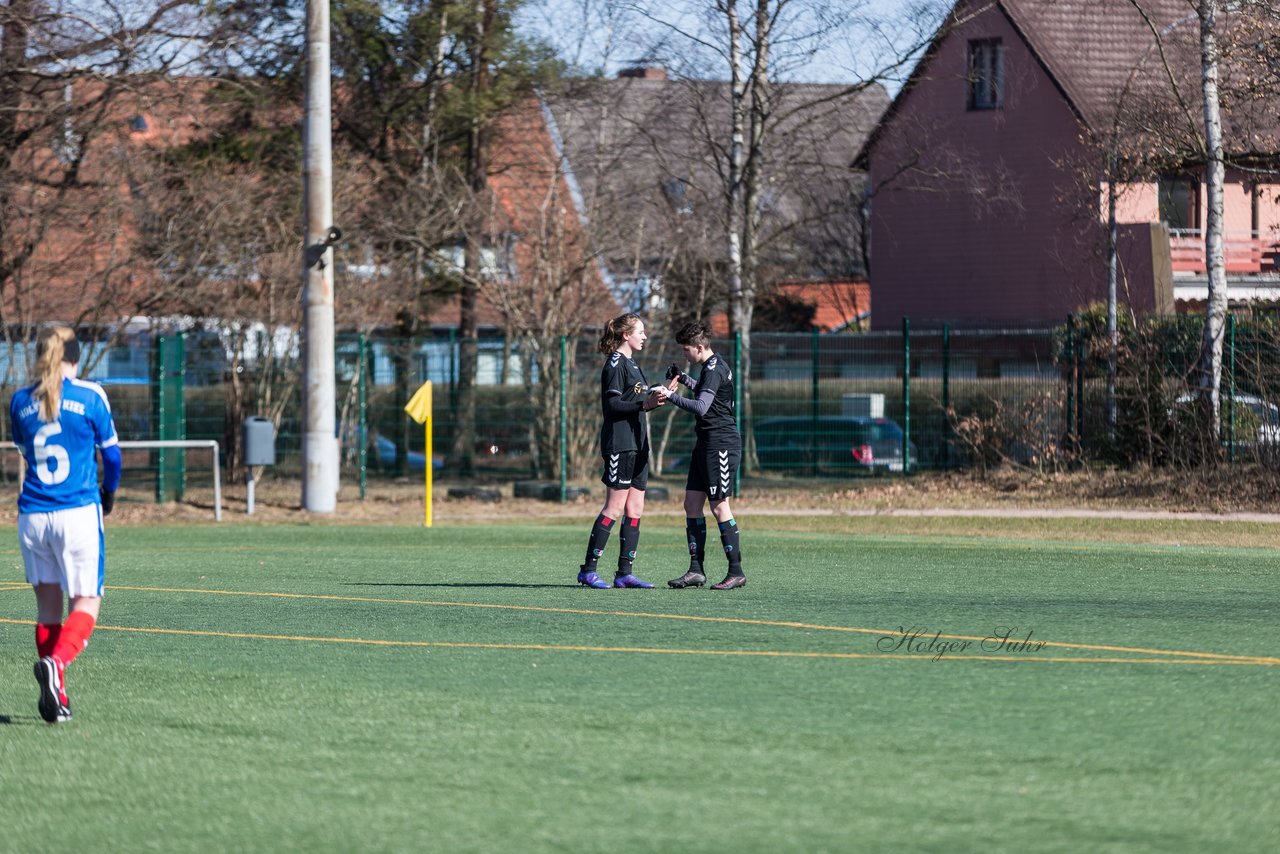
x=815 y=406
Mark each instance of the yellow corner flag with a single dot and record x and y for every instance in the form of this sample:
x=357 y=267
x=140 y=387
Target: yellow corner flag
x=419 y=406
x=419 y=409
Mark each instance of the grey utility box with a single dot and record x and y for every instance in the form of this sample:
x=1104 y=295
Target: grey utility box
x=259 y=441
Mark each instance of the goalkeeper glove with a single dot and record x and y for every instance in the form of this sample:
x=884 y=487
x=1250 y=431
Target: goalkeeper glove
x=674 y=373
x=108 y=501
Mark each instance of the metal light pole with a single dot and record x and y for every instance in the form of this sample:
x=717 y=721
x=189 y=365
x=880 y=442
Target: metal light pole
x=319 y=438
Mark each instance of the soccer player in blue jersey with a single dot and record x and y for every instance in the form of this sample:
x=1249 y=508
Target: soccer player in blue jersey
x=58 y=423
x=717 y=452
x=624 y=444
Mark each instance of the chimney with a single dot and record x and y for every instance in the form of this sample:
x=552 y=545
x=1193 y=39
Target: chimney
x=644 y=72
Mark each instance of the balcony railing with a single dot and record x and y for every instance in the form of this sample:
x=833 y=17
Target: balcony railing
x=1246 y=252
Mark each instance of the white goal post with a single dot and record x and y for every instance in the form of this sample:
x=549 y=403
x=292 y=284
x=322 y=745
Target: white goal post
x=211 y=444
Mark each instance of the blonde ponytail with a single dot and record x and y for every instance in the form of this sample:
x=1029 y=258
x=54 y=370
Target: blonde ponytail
x=51 y=349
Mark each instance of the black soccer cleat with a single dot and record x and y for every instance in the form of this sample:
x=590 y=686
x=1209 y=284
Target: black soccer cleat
x=54 y=707
x=731 y=582
x=691 y=578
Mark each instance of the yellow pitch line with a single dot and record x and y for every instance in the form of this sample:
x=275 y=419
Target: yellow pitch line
x=536 y=647
x=1217 y=656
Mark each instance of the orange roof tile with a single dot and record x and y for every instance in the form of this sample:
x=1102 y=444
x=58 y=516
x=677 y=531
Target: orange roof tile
x=837 y=305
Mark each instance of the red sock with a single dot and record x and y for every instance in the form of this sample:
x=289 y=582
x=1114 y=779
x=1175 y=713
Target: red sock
x=47 y=638
x=75 y=634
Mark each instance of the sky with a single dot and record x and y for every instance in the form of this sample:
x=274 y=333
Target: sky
x=860 y=38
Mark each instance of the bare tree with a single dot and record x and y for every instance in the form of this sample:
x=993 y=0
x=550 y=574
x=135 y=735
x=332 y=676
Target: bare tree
x=547 y=283
x=738 y=159
x=76 y=83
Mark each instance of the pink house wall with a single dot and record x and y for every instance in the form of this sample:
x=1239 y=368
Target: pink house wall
x=1134 y=203
x=984 y=215
x=1139 y=203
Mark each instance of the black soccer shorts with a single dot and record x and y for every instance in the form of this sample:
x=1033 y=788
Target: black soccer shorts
x=713 y=472
x=629 y=470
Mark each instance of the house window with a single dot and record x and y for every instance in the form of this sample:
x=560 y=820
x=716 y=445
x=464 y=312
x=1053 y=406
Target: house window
x=1255 y=211
x=1178 y=197
x=986 y=74
x=495 y=261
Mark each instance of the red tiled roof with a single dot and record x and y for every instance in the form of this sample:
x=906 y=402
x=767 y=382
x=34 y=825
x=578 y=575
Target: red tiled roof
x=1105 y=57
x=87 y=261
x=1117 y=57
x=837 y=305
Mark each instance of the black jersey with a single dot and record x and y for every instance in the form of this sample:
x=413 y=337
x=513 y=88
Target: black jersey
x=624 y=427
x=717 y=428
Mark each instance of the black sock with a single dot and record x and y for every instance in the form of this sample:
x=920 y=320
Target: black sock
x=600 y=532
x=732 y=550
x=629 y=534
x=696 y=532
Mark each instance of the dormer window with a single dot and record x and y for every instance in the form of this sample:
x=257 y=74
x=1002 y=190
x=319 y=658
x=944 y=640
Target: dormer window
x=986 y=74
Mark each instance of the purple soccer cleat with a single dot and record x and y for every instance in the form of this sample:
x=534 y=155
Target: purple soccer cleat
x=630 y=580
x=590 y=579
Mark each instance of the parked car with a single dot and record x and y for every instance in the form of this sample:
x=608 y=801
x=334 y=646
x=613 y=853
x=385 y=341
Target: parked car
x=386 y=452
x=832 y=444
x=1257 y=420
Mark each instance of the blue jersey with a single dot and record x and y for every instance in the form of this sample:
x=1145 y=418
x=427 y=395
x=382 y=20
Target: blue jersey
x=62 y=471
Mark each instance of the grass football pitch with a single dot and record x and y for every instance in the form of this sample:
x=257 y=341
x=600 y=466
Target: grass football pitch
x=337 y=688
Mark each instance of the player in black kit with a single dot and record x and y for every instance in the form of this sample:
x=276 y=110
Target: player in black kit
x=624 y=443
x=717 y=453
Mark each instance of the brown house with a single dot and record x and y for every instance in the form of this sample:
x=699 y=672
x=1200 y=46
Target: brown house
x=987 y=174
x=646 y=155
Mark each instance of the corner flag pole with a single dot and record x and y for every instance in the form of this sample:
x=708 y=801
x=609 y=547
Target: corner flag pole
x=419 y=409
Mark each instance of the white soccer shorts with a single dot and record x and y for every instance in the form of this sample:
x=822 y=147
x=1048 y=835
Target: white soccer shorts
x=64 y=547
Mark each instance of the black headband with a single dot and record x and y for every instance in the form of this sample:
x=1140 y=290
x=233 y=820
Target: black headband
x=71 y=351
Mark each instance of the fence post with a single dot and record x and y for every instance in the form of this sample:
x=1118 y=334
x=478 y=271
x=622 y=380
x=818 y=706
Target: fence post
x=564 y=418
x=1071 y=379
x=737 y=404
x=1080 y=389
x=362 y=430
x=813 y=401
x=453 y=369
x=159 y=410
x=404 y=346
x=906 y=396
x=168 y=412
x=946 y=395
x=1231 y=388
x=180 y=412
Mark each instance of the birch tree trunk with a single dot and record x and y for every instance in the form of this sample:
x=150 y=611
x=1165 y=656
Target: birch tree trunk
x=737 y=155
x=742 y=309
x=1215 y=260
